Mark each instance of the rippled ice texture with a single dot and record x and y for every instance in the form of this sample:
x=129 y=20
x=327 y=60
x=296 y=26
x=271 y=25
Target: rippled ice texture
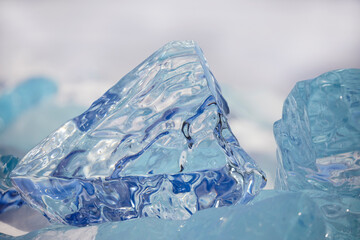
x=318 y=141
x=276 y=215
x=156 y=144
x=319 y=134
x=9 y=197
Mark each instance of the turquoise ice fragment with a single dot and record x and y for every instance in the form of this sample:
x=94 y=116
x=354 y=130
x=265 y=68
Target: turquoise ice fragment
x=9 y=197
x=24 y=96
x=318 y=141
x=156 y=144
x=318 y=136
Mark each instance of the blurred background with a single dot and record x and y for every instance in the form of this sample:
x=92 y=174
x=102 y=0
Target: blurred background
x=58 y=57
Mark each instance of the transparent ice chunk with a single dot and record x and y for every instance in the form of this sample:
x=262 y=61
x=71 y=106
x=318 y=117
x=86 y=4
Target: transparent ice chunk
x=318 y=136
x=155 y=144
x=318 y=141
x=9 y=197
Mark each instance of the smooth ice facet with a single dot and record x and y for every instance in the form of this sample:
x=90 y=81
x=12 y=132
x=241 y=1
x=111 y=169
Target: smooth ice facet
x=155 y=144
x=278 y=215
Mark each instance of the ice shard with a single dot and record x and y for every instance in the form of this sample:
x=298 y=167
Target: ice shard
x=318 y=141
x=9 y=197
x=156 y=144
x=318 y=136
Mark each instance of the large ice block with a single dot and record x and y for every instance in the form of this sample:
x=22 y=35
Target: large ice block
x=156 y=144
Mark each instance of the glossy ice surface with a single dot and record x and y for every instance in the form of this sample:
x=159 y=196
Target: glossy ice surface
x=318 y=141
x=9 y=197
x=276 y=215
x=155 y=144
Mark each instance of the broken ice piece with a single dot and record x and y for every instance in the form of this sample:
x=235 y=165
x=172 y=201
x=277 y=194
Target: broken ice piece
x=156 y=144
x=318 y=141
x=26 y=95
x=318 y=136
x=9 y=197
